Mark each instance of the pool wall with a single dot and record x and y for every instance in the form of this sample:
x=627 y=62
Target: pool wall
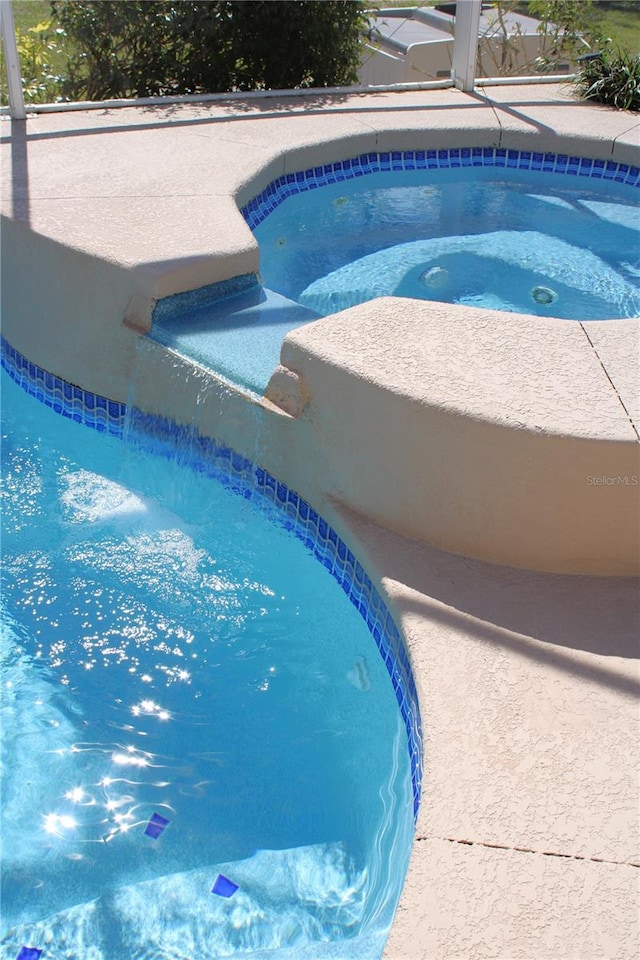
x=491 y=438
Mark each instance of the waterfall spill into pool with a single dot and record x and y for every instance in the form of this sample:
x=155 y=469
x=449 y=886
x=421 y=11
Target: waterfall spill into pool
x=173 y=655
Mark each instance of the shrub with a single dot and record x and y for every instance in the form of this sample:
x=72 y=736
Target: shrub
x=157 y=47
x=611 y=77
x=38 y=49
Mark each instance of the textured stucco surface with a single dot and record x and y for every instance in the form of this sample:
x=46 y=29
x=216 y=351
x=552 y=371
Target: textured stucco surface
x=499 y=427
x=527 y=843
x=474 y=901
x=527 y=372
x=617 y=346
x=543 y=117
x=526 y=846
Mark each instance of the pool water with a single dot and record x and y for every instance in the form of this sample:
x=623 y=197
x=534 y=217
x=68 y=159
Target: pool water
x=170 y=649
x=510 y=240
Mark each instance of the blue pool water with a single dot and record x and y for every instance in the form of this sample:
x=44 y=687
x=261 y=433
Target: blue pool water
x=510 y=240
x=540 y=234
x=171 y=653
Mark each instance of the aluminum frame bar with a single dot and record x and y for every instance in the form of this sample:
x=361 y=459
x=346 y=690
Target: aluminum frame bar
x=465 y=44
x=12 y=61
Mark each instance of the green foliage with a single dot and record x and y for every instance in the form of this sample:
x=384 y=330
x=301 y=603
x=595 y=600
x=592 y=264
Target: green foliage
x=611 y=77
x=158 y=47
x=38 y=48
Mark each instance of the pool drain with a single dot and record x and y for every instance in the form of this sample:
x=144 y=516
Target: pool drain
x=544 y=295
x=436 y=277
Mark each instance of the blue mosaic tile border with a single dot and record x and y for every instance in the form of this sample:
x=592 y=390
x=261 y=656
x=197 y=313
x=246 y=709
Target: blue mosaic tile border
x=90 y=409
x=162 y=436
x=292 y=183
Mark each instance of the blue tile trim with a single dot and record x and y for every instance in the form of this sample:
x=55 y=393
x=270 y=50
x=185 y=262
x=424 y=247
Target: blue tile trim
x=291 y=183
x=90 y=409
x=162 y=436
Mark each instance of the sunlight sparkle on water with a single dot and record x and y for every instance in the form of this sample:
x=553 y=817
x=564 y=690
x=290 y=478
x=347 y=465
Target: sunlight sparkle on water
x=129 y=759
x=75 y=795
x=150 y=709
x=54 y=822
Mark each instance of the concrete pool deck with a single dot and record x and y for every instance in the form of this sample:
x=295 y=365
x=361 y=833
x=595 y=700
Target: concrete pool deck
x=527 y=839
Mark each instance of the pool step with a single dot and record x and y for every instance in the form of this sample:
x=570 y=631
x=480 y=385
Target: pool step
x=288 y=904
x=238 y=336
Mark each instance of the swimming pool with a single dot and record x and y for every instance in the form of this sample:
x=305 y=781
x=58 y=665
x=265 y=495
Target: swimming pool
x=188 y=695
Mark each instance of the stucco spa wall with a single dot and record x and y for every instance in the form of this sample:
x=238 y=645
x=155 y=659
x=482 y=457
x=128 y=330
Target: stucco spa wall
x=483 y=487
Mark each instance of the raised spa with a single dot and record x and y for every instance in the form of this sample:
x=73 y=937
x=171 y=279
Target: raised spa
x=541 y=234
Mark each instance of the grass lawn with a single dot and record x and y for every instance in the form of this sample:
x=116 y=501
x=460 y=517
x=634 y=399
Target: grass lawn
x=621 y=23
x=28 y=13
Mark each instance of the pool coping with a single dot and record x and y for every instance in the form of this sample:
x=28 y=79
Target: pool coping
x=531 y=864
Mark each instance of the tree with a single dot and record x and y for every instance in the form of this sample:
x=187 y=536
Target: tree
x=128 y=48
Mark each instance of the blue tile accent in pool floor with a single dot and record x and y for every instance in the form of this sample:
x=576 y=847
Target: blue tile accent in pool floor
x=289 y=184
x=162 y=436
